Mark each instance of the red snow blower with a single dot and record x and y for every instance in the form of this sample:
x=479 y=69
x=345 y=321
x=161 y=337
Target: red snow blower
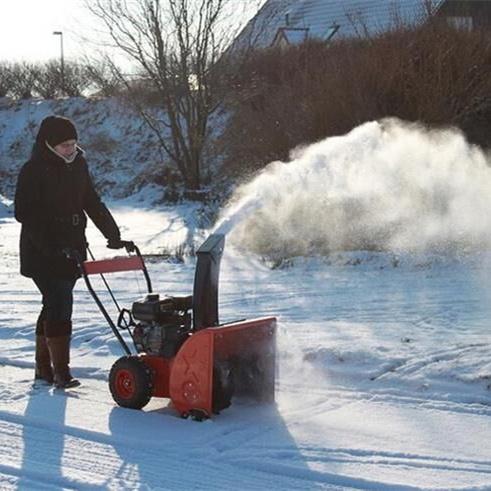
x=181 y=351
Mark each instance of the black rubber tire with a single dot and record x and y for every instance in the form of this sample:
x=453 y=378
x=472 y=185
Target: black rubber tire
x=130 y=382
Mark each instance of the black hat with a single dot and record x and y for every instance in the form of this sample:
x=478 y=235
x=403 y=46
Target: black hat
x=56 y=130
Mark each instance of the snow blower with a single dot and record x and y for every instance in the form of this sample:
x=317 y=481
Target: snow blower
x=181 y=351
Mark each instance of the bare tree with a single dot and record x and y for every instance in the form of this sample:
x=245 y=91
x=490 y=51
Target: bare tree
x=23 y=80
x=102 y=76
x=6 y=78
x=75 y=79
x=48 y=80
x=176 y=45
x=51 y=81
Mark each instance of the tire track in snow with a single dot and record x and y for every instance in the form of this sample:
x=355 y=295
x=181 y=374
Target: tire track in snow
x=286 y=459
x=346 y=455
x=24 y=390
x=75 y=432
x=36 y=454
x=319 y=477
x=339 y=455
x=370 y=457
x=415 y=365
x=111 y=462
x=42 y=480
x=384 y=395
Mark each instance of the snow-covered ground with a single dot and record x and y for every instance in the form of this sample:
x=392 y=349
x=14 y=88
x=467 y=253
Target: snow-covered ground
x=384 y=378
x=384 y=358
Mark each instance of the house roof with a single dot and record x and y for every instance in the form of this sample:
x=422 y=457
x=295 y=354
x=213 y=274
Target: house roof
x=352 y=17
x=293 y=35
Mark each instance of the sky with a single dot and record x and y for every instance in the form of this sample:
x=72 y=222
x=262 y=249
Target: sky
x=26 y=28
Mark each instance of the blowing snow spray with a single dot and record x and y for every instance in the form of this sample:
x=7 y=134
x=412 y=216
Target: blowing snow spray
x=386 y=185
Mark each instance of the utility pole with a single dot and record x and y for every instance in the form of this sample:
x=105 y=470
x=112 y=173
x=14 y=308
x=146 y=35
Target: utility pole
x=62 y=61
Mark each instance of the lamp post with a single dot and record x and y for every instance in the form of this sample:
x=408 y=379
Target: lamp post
x=62 y=60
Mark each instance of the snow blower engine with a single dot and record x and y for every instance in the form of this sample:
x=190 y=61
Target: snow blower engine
x=181 y=351
x=163 y=324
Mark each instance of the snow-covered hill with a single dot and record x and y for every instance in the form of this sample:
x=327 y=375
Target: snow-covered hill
x=122 y=152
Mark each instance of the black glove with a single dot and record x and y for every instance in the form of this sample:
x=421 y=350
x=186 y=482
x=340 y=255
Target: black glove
x=115 y=243
x=129 y=245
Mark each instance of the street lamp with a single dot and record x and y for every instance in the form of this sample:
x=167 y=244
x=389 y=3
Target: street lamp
x=59 y=33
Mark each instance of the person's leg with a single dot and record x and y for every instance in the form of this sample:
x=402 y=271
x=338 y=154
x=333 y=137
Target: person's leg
x=43 y=370
x=58 y=302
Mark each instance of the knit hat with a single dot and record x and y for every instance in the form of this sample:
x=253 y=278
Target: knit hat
x=56 y=130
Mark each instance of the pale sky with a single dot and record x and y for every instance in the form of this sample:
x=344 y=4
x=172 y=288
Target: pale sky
x=26 y=28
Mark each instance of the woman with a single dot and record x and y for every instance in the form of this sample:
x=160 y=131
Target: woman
x=53 y=196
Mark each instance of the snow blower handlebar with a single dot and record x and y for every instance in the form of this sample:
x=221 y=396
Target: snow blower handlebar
x=114 y=265
x=118 y=264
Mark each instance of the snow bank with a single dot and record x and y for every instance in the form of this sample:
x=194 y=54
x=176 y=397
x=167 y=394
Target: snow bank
x=386 y=185
x=5 y=207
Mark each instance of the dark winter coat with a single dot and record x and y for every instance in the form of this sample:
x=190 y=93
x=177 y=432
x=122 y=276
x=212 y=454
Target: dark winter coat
x=52 y=200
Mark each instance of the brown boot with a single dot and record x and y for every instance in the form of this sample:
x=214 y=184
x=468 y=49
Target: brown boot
x=59 y=349
x=43 y=370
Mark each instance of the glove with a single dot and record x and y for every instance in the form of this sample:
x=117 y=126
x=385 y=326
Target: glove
x=115 y=243
x=129 y=245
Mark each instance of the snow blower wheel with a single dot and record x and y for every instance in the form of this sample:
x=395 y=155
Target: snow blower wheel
x=130 y=382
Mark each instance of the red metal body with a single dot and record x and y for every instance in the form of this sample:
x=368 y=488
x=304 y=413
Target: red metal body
x=187 y=379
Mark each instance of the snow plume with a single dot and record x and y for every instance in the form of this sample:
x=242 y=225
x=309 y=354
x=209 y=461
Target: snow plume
x=386 y=185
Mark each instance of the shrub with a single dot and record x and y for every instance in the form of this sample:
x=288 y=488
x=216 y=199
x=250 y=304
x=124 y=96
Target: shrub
x=5 y=79
x=23 y=80
x=75 y=79
x=433 y=74
x=102 y=77
x=102 y=143
x=47 y=79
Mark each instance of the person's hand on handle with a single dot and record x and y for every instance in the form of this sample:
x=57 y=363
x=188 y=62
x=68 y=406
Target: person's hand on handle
x=119 y=244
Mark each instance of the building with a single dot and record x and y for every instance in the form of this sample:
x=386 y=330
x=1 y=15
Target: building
x=466 y=14
x=287 y=22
